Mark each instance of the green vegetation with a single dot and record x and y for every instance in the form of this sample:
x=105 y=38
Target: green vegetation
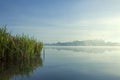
x=15 y=47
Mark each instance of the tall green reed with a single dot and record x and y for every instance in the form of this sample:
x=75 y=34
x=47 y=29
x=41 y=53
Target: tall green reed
x=14 y=47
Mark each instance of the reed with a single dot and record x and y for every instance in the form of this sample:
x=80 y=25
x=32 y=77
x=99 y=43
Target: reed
x=18 y=46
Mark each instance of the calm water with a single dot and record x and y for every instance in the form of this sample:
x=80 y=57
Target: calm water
x=67 y=63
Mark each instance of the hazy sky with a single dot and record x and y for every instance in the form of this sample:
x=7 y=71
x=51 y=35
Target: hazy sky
x=63 y=20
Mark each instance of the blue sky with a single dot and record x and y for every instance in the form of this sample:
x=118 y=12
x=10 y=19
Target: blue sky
x=62 y=20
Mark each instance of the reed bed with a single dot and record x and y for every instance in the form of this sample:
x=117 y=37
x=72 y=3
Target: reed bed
x=18 y=46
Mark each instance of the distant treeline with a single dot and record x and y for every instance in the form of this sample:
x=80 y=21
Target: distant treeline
x=19 y=46
x=85 y=43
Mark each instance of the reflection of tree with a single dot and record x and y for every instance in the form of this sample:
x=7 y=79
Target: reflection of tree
x=23 y=67
x=83 y=49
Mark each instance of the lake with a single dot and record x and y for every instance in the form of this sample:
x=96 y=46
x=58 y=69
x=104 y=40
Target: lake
x=67 y=63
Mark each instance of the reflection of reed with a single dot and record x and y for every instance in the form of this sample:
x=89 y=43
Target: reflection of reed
x=21 y=67
x=43 y=53
x=83 y=49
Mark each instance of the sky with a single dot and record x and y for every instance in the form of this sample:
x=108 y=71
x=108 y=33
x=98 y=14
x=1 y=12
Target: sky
x=62 y=20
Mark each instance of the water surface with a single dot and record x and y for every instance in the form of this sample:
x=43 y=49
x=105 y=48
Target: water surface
x=68 y=63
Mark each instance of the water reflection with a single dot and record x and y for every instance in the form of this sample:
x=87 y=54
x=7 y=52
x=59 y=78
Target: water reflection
x=22 y=67
x=61 y=63
x=43 y=54
x=84 y=49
